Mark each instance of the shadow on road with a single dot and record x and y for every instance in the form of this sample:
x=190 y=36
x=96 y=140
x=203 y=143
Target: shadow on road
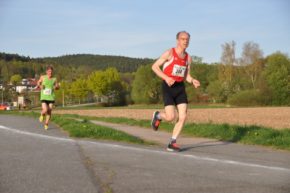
x=204 y=144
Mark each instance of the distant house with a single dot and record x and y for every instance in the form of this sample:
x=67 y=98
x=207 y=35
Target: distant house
x=28 y=95
x=20 y=88
x=26 y=85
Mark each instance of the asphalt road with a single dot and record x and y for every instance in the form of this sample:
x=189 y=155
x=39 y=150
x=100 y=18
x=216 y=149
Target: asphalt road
x=33 y=160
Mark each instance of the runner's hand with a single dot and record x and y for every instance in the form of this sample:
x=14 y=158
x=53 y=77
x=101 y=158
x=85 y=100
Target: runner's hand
x=195 y=83
x=38 y=86
x=169 y=81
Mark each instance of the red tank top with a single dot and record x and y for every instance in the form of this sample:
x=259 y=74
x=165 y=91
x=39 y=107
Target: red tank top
x=176 y=67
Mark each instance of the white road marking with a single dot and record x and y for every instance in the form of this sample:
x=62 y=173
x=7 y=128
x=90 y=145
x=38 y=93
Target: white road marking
x=200 y=158
x=35 y=134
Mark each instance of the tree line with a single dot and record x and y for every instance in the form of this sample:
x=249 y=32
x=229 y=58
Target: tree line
x=248 y=80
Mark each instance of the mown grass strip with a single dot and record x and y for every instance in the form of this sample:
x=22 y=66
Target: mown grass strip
x=254 y=135
x=86 y=129
x=155 y=106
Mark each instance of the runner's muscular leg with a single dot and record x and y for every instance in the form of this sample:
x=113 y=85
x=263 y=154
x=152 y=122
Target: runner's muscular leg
x=48 y=113
x=44 y=108
x=169 y=113
x=182 y=113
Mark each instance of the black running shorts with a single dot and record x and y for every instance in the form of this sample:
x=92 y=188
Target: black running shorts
x=47 y=102
x=175 y=94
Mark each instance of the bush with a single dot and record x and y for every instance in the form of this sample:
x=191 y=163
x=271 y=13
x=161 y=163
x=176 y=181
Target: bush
x=247 y=98
x=146 y=88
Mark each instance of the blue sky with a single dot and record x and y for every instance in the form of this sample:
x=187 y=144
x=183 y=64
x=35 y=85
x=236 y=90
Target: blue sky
x=141 y=28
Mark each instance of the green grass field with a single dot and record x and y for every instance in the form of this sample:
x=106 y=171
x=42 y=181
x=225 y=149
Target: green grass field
x=144 y=106
x=85 y=129
x=255 y=135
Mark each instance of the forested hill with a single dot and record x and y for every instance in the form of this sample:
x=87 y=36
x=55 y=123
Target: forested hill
x=9 y=57
x=88 y=61
x=123 y=64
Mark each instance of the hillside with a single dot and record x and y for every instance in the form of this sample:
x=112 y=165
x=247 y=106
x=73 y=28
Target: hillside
x=123 y=64
x=9 y=57
x=88 y=61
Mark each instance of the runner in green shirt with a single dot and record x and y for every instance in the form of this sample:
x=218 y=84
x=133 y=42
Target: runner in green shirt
x=48 y=85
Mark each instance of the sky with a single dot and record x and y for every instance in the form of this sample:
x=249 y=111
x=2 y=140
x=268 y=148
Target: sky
x=141 y=28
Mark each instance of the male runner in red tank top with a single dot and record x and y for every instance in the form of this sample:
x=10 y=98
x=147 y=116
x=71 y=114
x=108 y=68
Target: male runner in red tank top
x=176 y=68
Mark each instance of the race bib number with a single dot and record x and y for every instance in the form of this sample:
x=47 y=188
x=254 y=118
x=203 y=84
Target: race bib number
x=178 y=70
x=47 y=91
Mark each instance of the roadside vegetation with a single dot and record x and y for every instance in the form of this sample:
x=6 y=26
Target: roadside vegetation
x=139 y=106
x=80 y=126
x=85 y=129
x=254 y=135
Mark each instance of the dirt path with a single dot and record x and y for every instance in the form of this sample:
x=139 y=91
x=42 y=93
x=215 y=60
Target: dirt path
x=274 y=117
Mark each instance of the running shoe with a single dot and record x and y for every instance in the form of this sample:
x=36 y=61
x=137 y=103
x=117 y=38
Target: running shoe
x=41 y=118
x=155 y=121
x=173 y=147
x=46 y=126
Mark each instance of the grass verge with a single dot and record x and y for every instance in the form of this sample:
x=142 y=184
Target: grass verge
x=85 y=129
x=254 y=135
x=155 y=106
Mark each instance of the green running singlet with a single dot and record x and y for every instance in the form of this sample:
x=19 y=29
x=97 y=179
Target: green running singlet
x=48 y=92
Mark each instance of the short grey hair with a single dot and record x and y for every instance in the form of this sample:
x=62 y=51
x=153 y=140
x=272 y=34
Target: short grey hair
x=177 y=35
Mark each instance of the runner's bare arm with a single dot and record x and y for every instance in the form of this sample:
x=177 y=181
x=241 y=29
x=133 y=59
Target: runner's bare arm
x=189 y=78
x=39 y=82
x=56 y=85
x=158 y=63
